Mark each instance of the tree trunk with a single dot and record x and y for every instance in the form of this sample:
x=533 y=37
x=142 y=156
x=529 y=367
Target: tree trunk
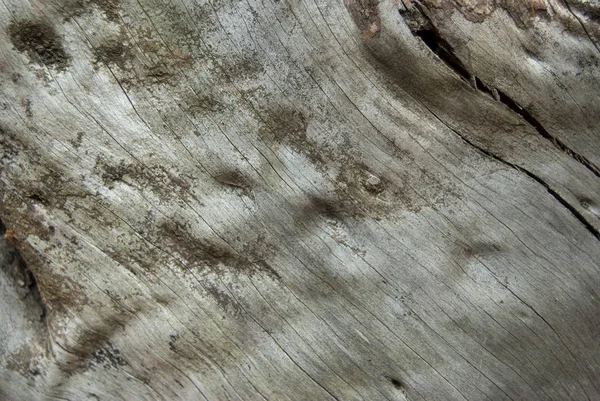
x=300 y=200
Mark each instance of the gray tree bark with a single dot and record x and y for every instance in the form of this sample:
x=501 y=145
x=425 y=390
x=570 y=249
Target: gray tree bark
x=300 y=200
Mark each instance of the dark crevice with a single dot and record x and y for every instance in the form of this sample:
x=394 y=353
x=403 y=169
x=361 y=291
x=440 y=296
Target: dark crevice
x=514 y=106
x=396 y=383
x=24 y=278
x=431 y=37
x=422 y=27
x=481 y=86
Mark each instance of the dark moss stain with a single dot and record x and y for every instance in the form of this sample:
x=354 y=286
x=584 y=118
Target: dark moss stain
x=477 y=249
x=284 y=124
x=242 y=66
x=76 y=142
x=396 y=383
x=365 y=14
x=27 y=103
x=172 y=340
x=193 y=249
x=9 y=148
x=108 y=357
x=40 y=41
x=289 y=126
x=206 y=253
x=159 y=74
x=109 y=7
x=224 y=300
x=113 y=52
x=235 y=180
x=330 y=208
x=202 y=104
x=156 y=178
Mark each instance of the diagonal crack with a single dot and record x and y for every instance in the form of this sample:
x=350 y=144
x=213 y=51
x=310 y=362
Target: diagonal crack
x=582 y=25
x=538 y=179
x=514 y=106
x=422 y=27
x=533 y=176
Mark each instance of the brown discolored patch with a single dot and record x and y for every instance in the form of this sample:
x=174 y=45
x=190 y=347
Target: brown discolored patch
x=11 y=237
x=22 y=355
x=366 y=16
x=57 y=291
x=40 y=41
x=20 y=272
x=24 y=219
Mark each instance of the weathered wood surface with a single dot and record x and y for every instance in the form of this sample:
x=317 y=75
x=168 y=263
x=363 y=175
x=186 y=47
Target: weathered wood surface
x=299 y=200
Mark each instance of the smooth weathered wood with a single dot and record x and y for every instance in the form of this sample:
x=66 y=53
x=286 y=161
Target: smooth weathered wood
x=299 y=200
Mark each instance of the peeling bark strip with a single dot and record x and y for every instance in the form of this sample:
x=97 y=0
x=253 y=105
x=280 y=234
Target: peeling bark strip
x=214 y=194
x=366 y=16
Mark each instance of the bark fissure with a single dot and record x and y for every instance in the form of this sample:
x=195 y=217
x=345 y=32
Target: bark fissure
x=425 y=30
x=21 y=273
x=514 y=106
x=536 y=178
x=582 y=25
x=248 y=201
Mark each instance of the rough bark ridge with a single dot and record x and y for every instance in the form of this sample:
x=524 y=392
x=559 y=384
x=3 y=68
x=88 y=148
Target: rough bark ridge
x=299 y=200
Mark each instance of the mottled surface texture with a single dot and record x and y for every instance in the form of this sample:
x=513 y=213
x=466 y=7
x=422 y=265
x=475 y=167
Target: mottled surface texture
x=299 y=200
